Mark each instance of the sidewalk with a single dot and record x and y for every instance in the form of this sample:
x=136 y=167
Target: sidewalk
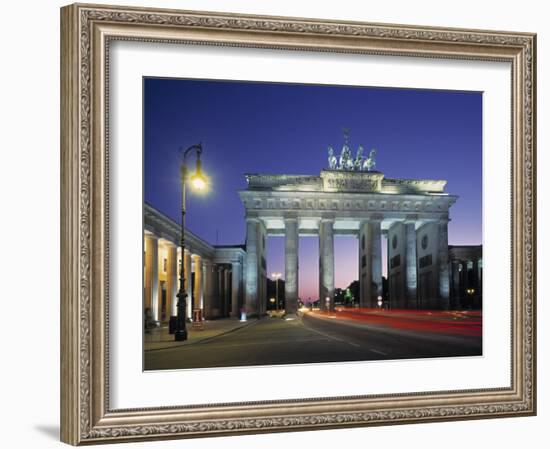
x=159 y=338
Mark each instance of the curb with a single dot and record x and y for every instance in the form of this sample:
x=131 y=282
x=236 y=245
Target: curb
x=203 y=340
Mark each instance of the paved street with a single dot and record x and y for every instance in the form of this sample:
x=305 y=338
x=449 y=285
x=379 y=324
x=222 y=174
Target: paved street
x=316 y=338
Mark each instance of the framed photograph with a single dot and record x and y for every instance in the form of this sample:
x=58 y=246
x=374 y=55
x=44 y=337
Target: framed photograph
x=279 y=224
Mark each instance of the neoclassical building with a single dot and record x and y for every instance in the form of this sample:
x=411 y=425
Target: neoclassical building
x=414 y=214
x=213 y=274
x=466 y=264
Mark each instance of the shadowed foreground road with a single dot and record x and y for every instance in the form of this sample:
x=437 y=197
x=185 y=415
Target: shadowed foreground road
x=313 y=338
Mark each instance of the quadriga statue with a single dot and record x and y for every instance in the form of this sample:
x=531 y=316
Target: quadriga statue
x=332 y=161
x=358 y=159
x=370 y=162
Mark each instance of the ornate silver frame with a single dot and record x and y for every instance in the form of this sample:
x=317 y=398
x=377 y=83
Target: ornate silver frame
x=86 y=33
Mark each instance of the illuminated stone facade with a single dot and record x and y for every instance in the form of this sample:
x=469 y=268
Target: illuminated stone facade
x=213 y=274
x=413 y=214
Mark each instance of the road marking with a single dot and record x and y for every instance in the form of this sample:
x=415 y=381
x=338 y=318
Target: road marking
x=354 y=344
x=378 y=352
x=325 y=335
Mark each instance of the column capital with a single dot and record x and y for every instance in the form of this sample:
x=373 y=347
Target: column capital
x=410 y=219
x=290 y=217
x=151 y=236
x=170 y=243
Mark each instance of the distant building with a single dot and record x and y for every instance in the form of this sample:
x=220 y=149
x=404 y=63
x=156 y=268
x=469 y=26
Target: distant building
x=466 y=276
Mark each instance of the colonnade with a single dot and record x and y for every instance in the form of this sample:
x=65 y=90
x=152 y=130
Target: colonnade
x=213 y=286
x=418 y=262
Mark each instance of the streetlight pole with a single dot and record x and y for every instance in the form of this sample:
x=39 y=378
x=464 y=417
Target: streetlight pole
x=181 y=331
x=276 y=294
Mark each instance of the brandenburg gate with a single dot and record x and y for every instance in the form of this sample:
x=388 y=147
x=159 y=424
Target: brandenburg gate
x=350 y=197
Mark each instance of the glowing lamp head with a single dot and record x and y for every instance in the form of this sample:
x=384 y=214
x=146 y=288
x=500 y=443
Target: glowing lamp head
x=198 y=180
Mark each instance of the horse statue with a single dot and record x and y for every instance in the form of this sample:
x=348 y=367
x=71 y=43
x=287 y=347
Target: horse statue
x=346 y=160
x=370 y=162
x=358 y=159
x=332 y=161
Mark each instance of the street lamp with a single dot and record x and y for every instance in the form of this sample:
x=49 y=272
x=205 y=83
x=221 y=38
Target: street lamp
x=198 y=182
x=276 y=276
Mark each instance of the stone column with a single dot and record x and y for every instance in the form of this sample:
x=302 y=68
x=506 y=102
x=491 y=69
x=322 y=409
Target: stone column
x=326 y=264
x=480 y=269
x=215 y=294
x=152 y=275
x=235 y=284
x=456 y=282
x=203 y=286
x=371 y=276
x=227 y=291
x=411 y=281
x=376 y=257
x=221 y=289
x=172 y=276
x=291 y=265
x=188 y=284
x=364 y=265
x=208 y=290
x=443 y=263
x=461 y=278
x=262 y=263
x=252 y=267
x=198 y=282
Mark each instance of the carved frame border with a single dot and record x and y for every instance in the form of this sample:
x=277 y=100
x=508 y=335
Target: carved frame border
x=86 y=31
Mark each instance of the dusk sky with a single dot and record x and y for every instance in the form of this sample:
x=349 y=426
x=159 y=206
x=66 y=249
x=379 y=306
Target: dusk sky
x=249 y=127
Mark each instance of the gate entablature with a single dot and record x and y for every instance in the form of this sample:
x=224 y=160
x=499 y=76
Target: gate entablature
x=350 y=196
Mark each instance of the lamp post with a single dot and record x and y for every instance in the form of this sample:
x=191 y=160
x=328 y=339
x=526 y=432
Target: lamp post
x=198 y=182
x=276 y=276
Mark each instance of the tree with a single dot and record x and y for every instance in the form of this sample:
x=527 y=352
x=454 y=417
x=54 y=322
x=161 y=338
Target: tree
x=348 y=296
x=354 y=289
x=339 y=296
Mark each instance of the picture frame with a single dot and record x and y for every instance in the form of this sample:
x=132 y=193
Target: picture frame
x=87 y=31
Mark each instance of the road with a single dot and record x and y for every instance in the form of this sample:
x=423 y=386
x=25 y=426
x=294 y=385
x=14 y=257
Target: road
x=311 y=339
